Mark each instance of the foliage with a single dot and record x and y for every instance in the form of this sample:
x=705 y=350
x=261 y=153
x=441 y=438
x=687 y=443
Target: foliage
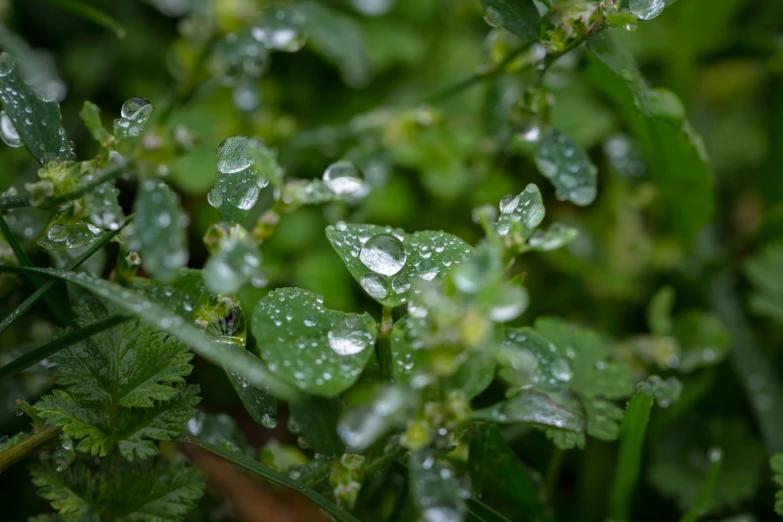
x=517 y=270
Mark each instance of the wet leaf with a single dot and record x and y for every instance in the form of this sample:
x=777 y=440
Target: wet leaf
x=387 y=262
x=556 y=236
x=65 y=237
x=236 y=262
x=316 y=419
x=239 y=178
x=553 y=410
x=339 y=39
x=160 y=230
x=35 y=119
x=320 y=351
x=765 y=272
x=659 y=311
x=518 y=16
x=703 y=339
x=91 y=116
x=103 y=207
x=133 y=117
x=528 y=360
x=181 y=296
x=523 y=212
x=565 y=163
x=673 y=149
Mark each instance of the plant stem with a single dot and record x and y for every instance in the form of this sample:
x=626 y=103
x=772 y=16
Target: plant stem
x=705 y=493
x=632 y=434
x=15 y=201
x=383 y=344
x=552 y=474
x=18 y=451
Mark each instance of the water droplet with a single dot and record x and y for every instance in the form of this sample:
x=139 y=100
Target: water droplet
x=132 y=107
x=492 y=16
x=232 y=155
x=383 y=254
x=58 y=233
x=8 y=132
x=374 y=285
x=427 y=270
x=646 y=9
x=279 y=29
x=343 y=178
x=347 y=342
x=401 y=284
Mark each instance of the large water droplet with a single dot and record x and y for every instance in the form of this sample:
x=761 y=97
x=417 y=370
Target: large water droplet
x=427 y=270
x=384 y=254
x=279 y=29
x=343 y=178
x=132 y=108
x=401 y=284
x=8 y=132
x=646 y=9
x=374 y=285
x=347 y=342
x=58 y=233
x=232 y=155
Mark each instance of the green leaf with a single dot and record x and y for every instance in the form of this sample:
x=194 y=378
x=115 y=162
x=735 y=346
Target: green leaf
x=236 y=262
x=593 y=375
x=409 y=359
x=556 y=236
x=525 y=212
x=565 y=163
x=102 y=206
x=777 y=467
x=492 y=461
x=528 y=360
x=160 y=230
x=518 y=16
x=35 y=118
x=275 y=477
x=480 y=512
x=703 y=339
x=239 y=179
x=435 y=489
x=91 y=116
x=87 y=424
x=672 y=148
x=338 y=38
x=90 y=13
x=316 y=420
x=679 y=463
x=161 y=318
x=181 y=296
x=125 y=494
x=387 y=262
x=659 y=311
x=133 y=117
x=715 y=456
x=320 y=351
x=60 y=238
x=647 y=9
x=765 y=272
x=629 y=463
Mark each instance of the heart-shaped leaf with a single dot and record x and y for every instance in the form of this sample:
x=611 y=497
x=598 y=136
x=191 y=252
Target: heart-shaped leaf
x=387 y=262
x=321 y=351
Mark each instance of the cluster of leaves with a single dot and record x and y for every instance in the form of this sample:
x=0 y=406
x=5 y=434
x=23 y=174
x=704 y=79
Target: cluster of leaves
x=426 y=394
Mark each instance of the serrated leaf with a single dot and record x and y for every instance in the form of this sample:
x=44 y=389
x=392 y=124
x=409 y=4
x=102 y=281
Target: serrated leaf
x=473 y=376
x=87 y=424
x=435 y=488
x=765 y=272
x=141 y=426
x=565 y=163
x=603 y=419
x=338 y=38
x=60 y=238
x=388 y=266
x=316 y=420
x=674 y=151
x=36 y=119
x=320 y=351
x=160 y=230
x=152 y=313
x=71 y=493
x=518 y=16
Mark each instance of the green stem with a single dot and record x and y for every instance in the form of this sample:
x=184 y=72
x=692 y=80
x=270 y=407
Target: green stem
x=15 y=201
x=705 y=493
x=629 y=463
x=90 y=13
x=552 y=474
x=383 y=344
x=18 y=451
x=49 y=349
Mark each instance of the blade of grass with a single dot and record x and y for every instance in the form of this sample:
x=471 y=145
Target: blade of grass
x=629 y=463
x=42 y=352
x=91 y=14
x=157 y=315
x=15 y=201
x=20 y=450
x=57 y=307
x=705 y=493
x=274 y=476
x=480 y=512
x=752 y=367
x=76 y=263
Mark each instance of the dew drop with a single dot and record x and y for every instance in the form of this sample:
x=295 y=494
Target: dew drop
x=232 y=155
x=383 y=254
x=132 y=107
x=8 y=132
x=401 y=284
x=343 y=178
x=427 y=270
x=374 y=285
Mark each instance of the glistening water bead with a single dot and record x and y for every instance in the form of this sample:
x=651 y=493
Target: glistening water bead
x=383 y=254
x=232 y=155
x=8 y=132
x=343 y=178
x=131 y=108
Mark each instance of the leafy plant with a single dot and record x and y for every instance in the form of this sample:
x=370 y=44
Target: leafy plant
x=463 y=372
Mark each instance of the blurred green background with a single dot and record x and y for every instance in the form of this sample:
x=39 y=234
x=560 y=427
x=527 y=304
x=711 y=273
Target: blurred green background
x=431 y=163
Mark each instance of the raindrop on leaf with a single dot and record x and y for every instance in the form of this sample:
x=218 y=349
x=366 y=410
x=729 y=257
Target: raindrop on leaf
x=384 y=254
